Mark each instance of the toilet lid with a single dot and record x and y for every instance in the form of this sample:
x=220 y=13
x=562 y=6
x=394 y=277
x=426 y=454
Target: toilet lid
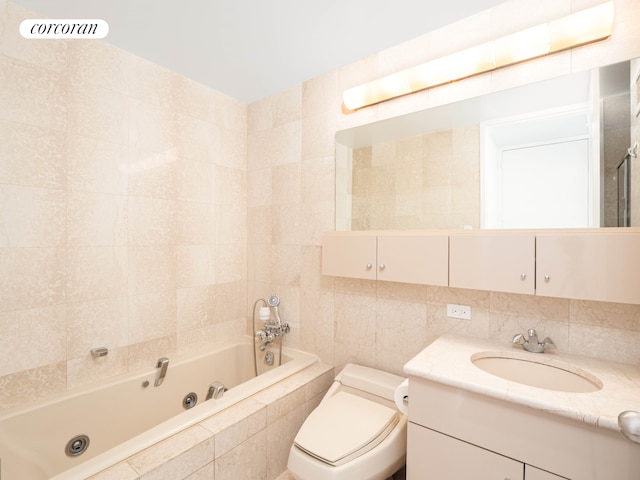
x=344 y=427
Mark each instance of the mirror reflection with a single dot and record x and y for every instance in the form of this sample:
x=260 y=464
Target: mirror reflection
x=554 y=154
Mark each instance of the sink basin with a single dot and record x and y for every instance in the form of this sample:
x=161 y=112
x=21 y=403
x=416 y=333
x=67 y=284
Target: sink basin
x=527 y=371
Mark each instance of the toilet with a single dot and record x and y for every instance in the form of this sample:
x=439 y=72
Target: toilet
x=356 y=432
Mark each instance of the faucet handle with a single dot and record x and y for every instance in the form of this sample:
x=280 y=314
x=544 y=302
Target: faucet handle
x=548 y=344
x=518 y=339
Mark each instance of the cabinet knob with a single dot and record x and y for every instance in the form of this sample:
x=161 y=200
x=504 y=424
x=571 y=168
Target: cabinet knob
x=369 y=266
x=547 y=278
x=523 y=276
x=382 y=266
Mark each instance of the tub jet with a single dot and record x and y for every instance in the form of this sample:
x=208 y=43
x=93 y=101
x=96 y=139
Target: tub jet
x=77 y=445
x=190 y=400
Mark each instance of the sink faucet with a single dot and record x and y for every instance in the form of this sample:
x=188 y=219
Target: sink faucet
x=532 y=344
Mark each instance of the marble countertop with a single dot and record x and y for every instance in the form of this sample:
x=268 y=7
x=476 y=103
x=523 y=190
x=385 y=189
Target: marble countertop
x=448 y=360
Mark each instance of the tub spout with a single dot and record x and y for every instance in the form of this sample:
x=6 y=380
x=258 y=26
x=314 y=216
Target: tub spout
x=163 y=363
x=216 y=390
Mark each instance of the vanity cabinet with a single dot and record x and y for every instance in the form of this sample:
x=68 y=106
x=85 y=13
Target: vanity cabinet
x=497 y=262
x=434 y=455
x=458 y=434
x=407 y=257
x=533 y=473
x=598 y=266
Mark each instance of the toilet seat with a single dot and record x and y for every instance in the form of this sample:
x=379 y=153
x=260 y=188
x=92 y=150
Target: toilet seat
x=344 y=427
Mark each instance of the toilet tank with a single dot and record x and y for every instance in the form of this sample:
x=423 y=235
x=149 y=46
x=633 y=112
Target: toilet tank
x=370 y=380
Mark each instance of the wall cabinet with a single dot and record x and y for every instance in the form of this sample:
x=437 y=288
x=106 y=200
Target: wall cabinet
x=600 y=266
x=502 y=263
x=595 y=264
x=395 y=257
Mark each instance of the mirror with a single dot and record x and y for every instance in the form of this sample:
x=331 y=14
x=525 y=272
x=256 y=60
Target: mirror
x=544 y=155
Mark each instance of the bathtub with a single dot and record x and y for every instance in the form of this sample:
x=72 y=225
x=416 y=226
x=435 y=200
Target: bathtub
x=129 y=414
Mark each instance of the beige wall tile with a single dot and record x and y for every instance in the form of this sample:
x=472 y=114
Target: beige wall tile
x=193 y=309
x=151 y=221
x=246 y=461
x=205 y=473
x=32 y=156
x=194 y=180
x=99 y=323
x=96 y=219
x=146 y=354
x=195 y=265
x=152 y=173
x=96 y=272
x=97 y=166
x=86 y=370
x=34 y=384
x=98 y=113
x=99 y=63
x=152 y=315
x=152 y=269
x=284 y=429
x=120 y=471
x=31 y=277
x=32 y=338
x=32 y=95
x=49 y=54
x=152 y=128
x=176 y=457
x=607 y=343
x=32 y=217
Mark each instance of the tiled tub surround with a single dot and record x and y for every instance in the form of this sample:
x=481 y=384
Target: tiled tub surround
x=122 y=213
x=132 y=407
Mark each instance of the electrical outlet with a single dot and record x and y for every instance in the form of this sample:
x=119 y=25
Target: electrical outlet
x=459 y=311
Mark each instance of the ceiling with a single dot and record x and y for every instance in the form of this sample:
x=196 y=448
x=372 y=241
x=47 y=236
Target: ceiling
x=250 y=49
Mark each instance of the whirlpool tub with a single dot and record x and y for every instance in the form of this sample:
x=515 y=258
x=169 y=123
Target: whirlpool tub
x=80 y=433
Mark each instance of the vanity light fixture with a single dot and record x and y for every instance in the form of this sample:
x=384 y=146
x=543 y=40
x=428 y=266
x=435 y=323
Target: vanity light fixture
x=580 y=28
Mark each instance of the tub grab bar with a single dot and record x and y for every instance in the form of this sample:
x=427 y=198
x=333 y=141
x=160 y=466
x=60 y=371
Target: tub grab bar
x=163 y=363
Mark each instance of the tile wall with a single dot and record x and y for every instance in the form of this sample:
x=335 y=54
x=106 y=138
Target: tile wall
x=291 y=203
x=122 y=213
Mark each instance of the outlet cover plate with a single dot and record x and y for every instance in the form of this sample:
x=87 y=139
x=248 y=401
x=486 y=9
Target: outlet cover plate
x=459 y=311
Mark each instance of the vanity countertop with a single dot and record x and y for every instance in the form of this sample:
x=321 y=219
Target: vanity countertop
x=448 y=360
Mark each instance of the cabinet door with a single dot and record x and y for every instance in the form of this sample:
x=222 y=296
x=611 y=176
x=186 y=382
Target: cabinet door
x=414 y=258
x=533 y=473
x=349 y=255
x=433 y=455
x=498 y=262
x=589 y=266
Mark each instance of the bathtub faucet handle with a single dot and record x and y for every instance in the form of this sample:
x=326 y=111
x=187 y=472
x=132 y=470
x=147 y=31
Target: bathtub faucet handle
x=163 y=364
